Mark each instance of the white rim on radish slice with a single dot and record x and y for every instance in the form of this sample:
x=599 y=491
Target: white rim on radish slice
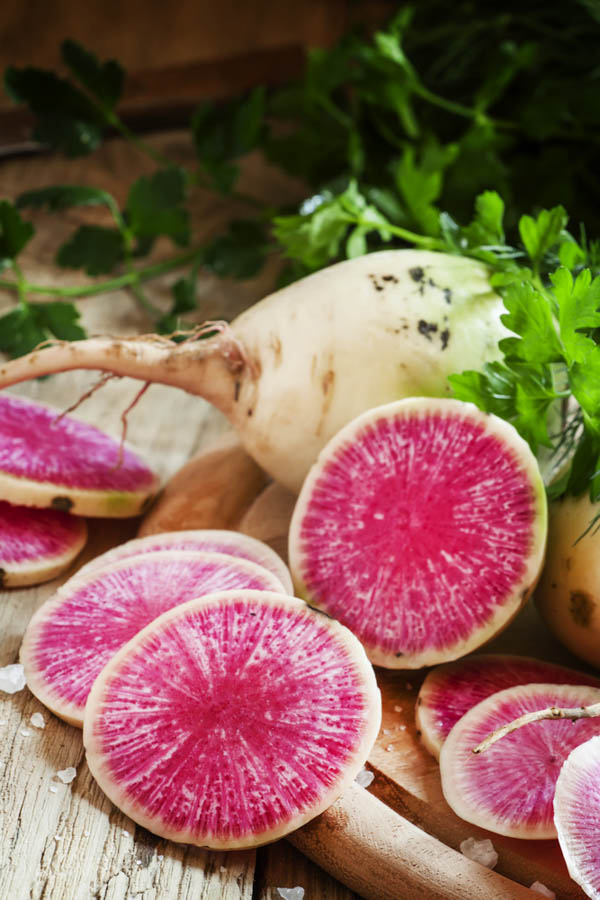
x=50 y=460
x=232 y=720
x=37 y=544
x=577 y=815
x=74 y=634
x=232 y=543
x=509 y=788
x=449 y=691
x=422 y=529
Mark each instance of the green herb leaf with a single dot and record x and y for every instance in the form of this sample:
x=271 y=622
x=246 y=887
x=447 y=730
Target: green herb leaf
x=63 y=196
x=23 y=328
x=15 y=232
x=156 y=206
x=95 y=249
x=103 y=80
x=239 y=253
x=530 y=317
x=541 y=235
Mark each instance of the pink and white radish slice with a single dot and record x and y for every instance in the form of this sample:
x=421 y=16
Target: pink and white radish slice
x=232 y=720
x=37 y=544
x=422 y=528
x=231 y=543
x=449 y=691
x=75 y=633
x=50 y=460
x=509 y=788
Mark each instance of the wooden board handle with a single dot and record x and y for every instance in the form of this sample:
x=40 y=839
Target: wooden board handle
x=382 y=856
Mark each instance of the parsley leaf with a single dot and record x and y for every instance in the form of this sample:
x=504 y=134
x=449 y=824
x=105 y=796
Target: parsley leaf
x=156 y=206
x=15 y=233
x=63 y=196
x=93 y=248
x=103 y=80
x=23 y=328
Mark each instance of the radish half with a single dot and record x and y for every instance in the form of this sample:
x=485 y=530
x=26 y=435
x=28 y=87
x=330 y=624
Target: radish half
x=49 y=460
x=449 y=691
x=74 y=634
x=37 y=544
x=577 y=815
x=207 y=540
x=421 y=528
x=509 y=788
x=232 y=720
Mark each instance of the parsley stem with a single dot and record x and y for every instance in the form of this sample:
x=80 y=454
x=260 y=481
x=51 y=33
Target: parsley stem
x=420 y=240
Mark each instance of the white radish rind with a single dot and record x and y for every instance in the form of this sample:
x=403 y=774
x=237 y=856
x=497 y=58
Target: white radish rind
x=206 y=540
x=450 y=690
x=422 y=528
x=53 y=461
x=577 y=815
x=509 y=788
x=232 y=720
x=37 y=544
x=74 y=634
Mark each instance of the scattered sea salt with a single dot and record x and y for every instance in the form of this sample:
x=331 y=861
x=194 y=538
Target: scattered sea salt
x=67 y=775
x=12 y=678
x=53 y=789
x=402 y=727
x=389 y=748
x=3 y=721
x=222 y=869
x=397 y=709
x=87 y=832
x=480 y=851
x=160 y=857
x=58 y=837
x=26 y=732
x=543 y=890
x=364 y=778
x=295 y=893
x=38 y=720
x=138 y=862
x=386 y=731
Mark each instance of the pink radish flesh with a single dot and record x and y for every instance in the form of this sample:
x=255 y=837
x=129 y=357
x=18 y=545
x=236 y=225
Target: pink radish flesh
x=36 y=544
x=577 y=815
x=74 y=634
x=230 y=543
x=407 y=497
x=232 y=720
x=509 y=788
x=45 y=458
x=449 y=691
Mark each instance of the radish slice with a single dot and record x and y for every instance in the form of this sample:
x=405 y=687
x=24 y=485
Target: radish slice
x=37 y=544
x=449 y=691
x=232 y=720
x=75 y=633
x=509 y=788
x=206 y=540
x=400 y=534
x=51 y=461
x=577 y=815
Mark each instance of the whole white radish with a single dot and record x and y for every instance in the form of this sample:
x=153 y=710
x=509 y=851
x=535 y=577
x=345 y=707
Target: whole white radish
x=293 y=369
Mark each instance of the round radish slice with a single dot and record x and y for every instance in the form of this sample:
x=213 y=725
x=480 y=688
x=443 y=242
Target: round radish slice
x=232 y=720
x=422 y=529
x=75 y=633
x=37 y=544
x=449 y=691
x=509 y=788
x=51 y=461
x=206 y=540
x=577 y=815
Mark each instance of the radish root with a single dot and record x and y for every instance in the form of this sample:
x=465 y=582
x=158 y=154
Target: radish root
x=552 y=712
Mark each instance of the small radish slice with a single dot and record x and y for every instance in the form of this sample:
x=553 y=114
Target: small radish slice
x=37 y=544
x=449 y=691
x=49 y=460
x=74 y=634
x=509 y=788
x=206 y=540
x=577 y=815
x=400 y=534
x=232 y=720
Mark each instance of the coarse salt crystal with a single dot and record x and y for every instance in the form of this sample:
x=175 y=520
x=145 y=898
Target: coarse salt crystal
x=87 y=832
x=402 y=727
x=482 y=852
x=67 y=775
x=138 y=862
x=53 y=789
x=364 y=778
x=397 y=709
x=389 y=748
x=386 y=731
x=3 y=721
x=12 y=678
x=26 y=732
x=38 y=720
x=295 y=893
x=543 y=890
x=160 y=857
x=222 y=869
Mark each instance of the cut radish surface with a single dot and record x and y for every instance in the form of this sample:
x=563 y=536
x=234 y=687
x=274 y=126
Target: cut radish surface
x=37 y=544
x=75 y=633
x=509 y=788
x=232 y=720
x=51 y=461
x=206 y=540
x=577 y=815
x=422 y=529
x=449 y=691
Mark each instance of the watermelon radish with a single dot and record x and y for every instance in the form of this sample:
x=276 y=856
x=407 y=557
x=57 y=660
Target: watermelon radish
x=422 y=529
x=509 y=789
x=577 y=815
x=232 y=720
x=449 y=691
x=49 y=460
x=37 y=544
x=74 y=634
x=206 y=540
